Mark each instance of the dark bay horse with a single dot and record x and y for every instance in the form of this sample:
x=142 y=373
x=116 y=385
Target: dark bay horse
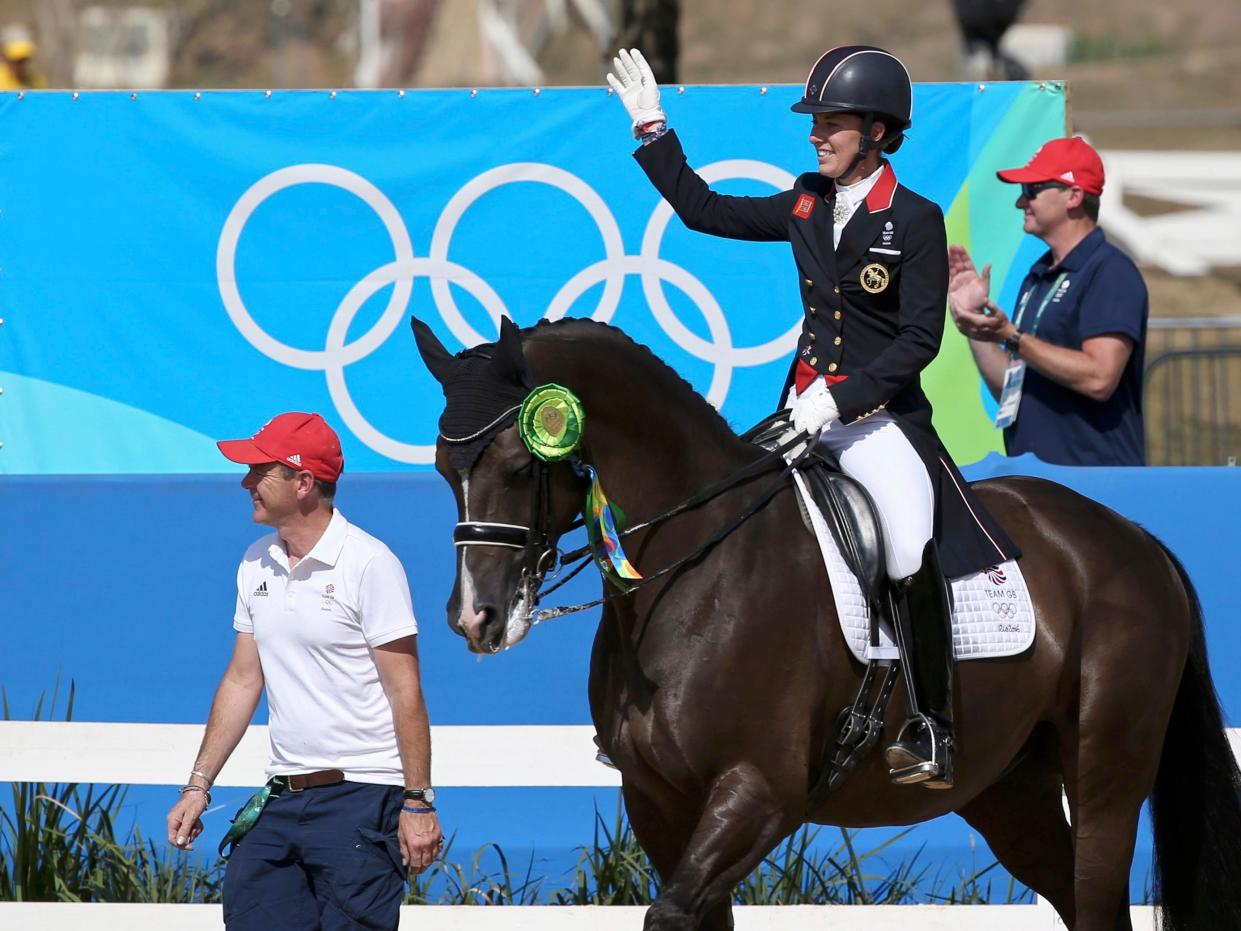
x=714 y=688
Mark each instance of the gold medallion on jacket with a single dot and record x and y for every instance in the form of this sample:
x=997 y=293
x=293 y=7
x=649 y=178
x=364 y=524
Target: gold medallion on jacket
x=875 y=278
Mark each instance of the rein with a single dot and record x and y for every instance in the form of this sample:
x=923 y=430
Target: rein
x=586 y=553
x=539 y=558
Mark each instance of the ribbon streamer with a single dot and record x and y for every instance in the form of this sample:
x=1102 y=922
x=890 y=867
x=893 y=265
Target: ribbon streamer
x=602 y=522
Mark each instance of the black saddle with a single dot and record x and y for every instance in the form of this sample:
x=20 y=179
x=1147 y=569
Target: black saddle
x=845 y=505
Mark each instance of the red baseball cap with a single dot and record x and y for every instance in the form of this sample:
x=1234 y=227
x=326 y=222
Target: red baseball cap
x=300 y=441
x=1070 y=160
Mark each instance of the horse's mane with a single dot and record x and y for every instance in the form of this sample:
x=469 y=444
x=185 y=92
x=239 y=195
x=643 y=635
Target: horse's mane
x=624 y=352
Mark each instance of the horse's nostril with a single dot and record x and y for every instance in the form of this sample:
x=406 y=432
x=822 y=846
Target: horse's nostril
x=490 y=628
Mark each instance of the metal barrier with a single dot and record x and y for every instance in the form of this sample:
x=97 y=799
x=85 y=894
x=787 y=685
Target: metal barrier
x=1193 y=366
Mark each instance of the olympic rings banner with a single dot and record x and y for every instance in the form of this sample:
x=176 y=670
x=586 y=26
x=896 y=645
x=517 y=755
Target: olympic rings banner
x=178 y=267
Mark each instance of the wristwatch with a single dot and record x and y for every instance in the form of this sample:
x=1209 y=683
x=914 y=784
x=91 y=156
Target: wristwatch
x=421 y=795
x=1013 y=342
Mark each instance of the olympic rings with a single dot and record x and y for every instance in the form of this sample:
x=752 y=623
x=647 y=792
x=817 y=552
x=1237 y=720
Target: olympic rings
x=226 y=259
x=337 y=354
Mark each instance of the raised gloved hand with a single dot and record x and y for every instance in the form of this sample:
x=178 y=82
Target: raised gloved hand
x=634 y=83
x=814 y=408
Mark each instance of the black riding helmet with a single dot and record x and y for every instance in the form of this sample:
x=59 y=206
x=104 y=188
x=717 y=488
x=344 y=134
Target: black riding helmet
x=865 y=80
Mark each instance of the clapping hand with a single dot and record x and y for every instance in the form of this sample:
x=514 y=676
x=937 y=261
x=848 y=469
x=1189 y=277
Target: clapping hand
x=635 y=85
x=973 y=311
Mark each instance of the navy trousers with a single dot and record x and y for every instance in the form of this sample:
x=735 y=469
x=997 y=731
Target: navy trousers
x=325 y=859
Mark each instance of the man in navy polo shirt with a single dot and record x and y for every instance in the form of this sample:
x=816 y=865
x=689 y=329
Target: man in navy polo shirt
x=1067 y=368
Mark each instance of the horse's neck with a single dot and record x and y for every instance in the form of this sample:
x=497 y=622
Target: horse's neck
x=652 y=442
x=650 y=465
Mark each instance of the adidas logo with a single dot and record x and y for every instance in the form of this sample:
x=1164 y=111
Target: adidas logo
x=296 y=458
x=261 y=591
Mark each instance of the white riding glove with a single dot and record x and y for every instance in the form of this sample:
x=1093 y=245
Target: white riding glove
x=814 y=408
x=634 y=83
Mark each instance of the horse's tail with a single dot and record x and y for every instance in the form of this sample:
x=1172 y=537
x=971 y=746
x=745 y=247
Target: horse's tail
x=1196 y=804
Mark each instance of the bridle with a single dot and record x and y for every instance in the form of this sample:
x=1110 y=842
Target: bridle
x=534 y=539
x=541 y=557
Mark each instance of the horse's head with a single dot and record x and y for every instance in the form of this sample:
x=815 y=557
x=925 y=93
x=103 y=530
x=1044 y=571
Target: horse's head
x=511 y=505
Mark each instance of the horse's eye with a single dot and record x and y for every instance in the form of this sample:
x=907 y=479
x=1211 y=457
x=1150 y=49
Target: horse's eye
x=523 y=469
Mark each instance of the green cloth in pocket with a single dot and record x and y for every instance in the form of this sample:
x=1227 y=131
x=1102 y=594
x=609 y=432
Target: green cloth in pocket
x=248 y=817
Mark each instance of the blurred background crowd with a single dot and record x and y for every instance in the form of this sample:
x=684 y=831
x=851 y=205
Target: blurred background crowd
x=1155 y=86
x=1141 y=71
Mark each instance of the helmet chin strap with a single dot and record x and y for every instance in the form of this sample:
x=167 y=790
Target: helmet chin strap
x=865 y=145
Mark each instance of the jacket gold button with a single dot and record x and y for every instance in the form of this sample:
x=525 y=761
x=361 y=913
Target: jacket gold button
x=832 y=367
x=812 y=310
x=809 y=283
x=813 y=337
x=838 y=341
x=814 y=360
x=836 y=289
x=837 y=315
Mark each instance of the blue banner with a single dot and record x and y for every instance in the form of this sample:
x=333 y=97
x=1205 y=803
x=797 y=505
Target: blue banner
x=178 y=267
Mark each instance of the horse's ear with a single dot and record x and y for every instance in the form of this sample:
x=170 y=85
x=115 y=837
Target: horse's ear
x=436 y=358
x=509 y=361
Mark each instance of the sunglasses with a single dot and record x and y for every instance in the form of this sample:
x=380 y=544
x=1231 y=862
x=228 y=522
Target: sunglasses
x=1031 y=191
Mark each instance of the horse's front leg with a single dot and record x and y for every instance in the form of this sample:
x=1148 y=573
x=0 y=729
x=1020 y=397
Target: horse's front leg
x=741 y=821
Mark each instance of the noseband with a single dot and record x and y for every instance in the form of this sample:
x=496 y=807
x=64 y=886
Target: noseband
x=533 y=539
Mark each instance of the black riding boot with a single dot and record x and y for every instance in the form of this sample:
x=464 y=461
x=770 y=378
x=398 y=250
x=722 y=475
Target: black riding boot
x=923 y=609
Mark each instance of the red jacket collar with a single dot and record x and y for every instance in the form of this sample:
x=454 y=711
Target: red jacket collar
x=880 y=196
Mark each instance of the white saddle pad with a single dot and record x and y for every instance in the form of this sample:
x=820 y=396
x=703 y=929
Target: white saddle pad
x=992 y=613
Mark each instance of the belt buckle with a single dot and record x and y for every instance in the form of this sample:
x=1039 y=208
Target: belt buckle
x=289 y=785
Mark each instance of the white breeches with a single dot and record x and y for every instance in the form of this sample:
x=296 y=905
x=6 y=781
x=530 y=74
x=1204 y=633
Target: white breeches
x=875 y=453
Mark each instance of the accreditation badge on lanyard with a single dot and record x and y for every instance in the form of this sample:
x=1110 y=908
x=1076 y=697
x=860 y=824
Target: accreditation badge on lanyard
x=1010 y=394
x=1014 y=375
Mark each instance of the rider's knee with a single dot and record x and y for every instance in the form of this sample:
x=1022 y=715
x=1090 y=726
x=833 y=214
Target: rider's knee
x=904 y=556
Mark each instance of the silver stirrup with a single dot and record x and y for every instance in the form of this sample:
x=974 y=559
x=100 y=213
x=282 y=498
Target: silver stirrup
x=926 y=769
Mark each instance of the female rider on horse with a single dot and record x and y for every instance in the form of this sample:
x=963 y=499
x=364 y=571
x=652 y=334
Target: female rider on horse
x=872 y=271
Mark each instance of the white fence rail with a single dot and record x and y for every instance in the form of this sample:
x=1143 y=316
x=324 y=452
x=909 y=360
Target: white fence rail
x=69 y=917
x=162 y=754
x=1204 y=234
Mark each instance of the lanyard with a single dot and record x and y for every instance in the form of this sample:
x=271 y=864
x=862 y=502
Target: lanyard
x=1025 y=299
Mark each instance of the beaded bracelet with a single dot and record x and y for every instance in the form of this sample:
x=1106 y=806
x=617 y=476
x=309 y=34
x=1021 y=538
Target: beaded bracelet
x=193 y=788
x=418 y=811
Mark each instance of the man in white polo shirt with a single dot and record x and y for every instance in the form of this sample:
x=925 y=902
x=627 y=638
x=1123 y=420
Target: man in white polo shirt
x=325 y=622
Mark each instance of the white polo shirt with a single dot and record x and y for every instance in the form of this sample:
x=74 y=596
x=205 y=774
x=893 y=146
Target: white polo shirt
x=315 y=626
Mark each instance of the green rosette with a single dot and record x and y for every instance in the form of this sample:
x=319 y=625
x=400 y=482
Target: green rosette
x=550 y=422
